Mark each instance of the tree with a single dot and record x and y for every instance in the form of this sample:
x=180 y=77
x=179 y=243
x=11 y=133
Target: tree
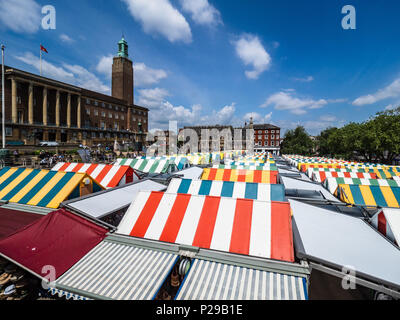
x=297 y=141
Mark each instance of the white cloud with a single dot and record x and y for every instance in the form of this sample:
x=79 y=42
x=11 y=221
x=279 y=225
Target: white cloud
x=250 y=50
x=104 y=65
x=202 y=12
x=224 y=116
x=306 y=79
x=160 y=17
x=144 y=75
x=328 y=118
x=391 y=91
x=258 y=118
x=21 y=16
x=152 y=98
x=65 y=38
x=72 y=74
x=286 y=101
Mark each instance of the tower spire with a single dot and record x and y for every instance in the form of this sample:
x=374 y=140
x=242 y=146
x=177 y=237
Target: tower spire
x=123 y=48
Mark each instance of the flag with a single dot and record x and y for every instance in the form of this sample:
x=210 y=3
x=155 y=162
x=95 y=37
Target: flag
x=43 y=49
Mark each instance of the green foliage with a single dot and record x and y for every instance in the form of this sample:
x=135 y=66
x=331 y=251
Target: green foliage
x=375 y=140
x=297 y=141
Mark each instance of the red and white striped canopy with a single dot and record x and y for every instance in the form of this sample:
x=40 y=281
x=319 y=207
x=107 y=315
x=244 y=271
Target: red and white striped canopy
x=108 y=176
x=241 y=226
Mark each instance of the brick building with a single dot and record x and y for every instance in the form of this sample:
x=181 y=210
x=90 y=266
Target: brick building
x=267 y=137
x=43 y=109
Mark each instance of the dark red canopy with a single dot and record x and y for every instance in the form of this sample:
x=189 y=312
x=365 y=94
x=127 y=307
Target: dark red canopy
x=13 y=220
x=59 y=239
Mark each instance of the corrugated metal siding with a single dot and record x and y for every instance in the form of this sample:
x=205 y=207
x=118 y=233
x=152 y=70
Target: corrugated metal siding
x=215 y=281
x=120 y=272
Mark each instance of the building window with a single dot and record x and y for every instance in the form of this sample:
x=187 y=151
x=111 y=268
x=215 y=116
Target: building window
x=110 y=106
x=272 y=144
x=93 y=134
x=102 y=125
x=277 y=143
x=122 y=117
x=122 y=109
x=273 y=136
x=272 y=131
x=9 y=132
x=266 y=144
x=134 y=119
x=103 y=114
x=116 y=108
x=96 y=112
x=115 y=126
x=110 y=115
x=144 y=120
x=88 y=111
x=96 y=103
x=87 y=101
x=116 y=116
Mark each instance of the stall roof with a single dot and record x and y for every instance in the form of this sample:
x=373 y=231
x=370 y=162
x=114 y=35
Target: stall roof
x=299 y=184
x=262 y=166
x=118 y=272
x=256 y=176
x=190 y=173
x=321 y=176
x=150 y=165
x=213 y=281
x=41 y=188
x=108 y=176
x=103 y=203
x=12 y=220
x=336 y=240
x=387 y=221
x=241 y=226
x=244 y=190
x=59 y=239
x=332 y=183
x=369 y=195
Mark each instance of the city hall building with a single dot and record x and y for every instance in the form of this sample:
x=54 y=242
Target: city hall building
x=42 y=109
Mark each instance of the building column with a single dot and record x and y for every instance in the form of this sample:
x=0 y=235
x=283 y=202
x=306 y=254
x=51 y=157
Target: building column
x=30 y=103
x=58 y=108
x=45 y=106
x=14 y=116
x=78 y=113
x=69 y=110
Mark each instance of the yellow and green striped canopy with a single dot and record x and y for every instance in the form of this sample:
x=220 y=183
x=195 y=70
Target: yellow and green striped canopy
x=382 y=196
x=43 y=188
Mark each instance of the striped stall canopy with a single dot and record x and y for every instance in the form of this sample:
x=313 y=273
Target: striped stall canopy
x=396 y=178
x=320 y=176
x=108 y=176
x=332 y=183
x=241 y=226
x=369 y=195
x=310 y=171
x=118 y=272
x=257 y=176
x=387 y=221
x=43 y=188
x=150 y=165
x=251 y=167
x=208 y=280
x=243 y=190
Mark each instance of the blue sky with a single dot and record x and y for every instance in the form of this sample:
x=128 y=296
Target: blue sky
x=214 y=61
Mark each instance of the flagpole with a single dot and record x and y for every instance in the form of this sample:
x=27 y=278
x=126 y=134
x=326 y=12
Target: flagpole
x=3 y=109
x=40 y=61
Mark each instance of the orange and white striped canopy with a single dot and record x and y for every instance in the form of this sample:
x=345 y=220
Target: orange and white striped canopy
x=108 y=176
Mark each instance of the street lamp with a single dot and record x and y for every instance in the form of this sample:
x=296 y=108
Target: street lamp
x=3 y=111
